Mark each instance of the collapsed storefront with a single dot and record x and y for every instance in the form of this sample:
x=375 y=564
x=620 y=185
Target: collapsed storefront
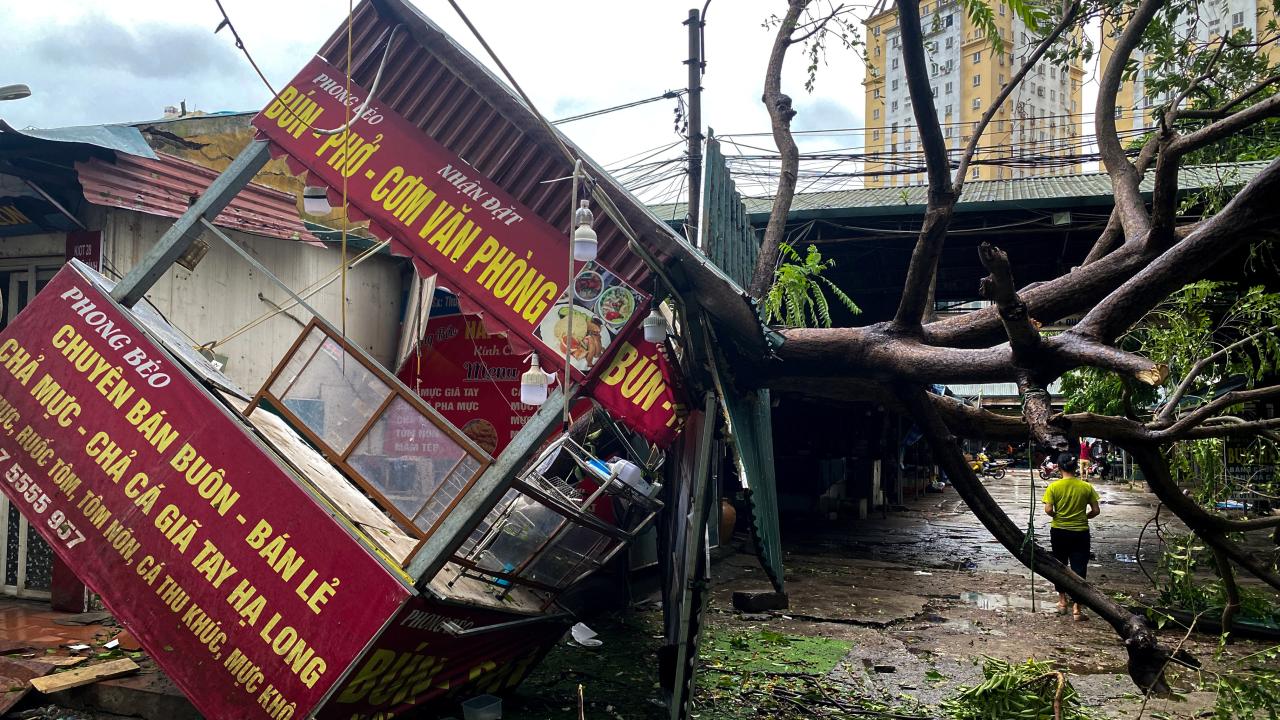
x=331 y=544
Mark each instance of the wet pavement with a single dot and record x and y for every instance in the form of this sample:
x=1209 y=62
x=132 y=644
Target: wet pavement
x=920 y=596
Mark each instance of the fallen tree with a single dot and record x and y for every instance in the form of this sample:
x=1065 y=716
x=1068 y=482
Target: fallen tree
x=1216 y=90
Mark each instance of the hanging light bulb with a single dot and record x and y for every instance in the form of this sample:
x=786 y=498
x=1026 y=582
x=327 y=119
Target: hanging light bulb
x=655 y=326
x=533 y=384
x=315 y=200
x=584 y=238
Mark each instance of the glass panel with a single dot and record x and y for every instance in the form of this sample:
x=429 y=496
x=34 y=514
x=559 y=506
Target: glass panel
x=39 y=562
x=296 y=363
x=575 y=552
x=413 y=463
x=333 y=394
x=526 y=528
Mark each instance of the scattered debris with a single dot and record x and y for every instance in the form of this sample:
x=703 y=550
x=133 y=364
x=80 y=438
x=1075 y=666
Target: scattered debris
x=754 y=601
x=585 y=636
x=84 y=676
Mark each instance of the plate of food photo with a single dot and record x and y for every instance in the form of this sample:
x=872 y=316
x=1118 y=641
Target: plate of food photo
x=590 y=335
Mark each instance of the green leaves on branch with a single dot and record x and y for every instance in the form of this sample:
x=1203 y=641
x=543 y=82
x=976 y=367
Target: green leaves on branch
x=797 y=297
x=1033 y=15
x=1025 y=690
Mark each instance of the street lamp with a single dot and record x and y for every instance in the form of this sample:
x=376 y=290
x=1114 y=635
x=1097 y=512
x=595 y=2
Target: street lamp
x=14 y=92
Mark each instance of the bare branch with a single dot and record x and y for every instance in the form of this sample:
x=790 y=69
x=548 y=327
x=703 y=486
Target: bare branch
x=1124 y=177
x=780 y=114
x=1227 y=126
x=1224 y=109
x=1113 y=234
x=1024 y=334
x=1218 y=404
x=1069 y=16
x=820 y=24
x=1074 y=351
x=1228 y=575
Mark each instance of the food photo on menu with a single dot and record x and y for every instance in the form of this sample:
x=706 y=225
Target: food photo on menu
x=602 y=304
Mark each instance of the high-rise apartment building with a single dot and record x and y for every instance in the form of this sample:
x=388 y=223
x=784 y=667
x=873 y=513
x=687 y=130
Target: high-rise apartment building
x=1135 y=109
x=1032 y=132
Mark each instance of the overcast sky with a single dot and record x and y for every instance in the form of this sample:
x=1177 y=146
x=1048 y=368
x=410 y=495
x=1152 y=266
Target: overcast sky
x=90 y=62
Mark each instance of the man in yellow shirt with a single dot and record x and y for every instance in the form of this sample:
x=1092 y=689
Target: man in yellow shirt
x=1071 y=502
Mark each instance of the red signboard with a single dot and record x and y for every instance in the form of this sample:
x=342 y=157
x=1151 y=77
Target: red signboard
x=421 y=661
x=636 y=386
x=484 y=244
x=469 y=376
x=240 y=585
x=85 y=246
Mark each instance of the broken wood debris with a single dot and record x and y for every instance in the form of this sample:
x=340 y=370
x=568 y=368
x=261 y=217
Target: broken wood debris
x=84 y=676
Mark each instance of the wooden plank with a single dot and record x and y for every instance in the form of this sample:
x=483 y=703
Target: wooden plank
x=84 y=676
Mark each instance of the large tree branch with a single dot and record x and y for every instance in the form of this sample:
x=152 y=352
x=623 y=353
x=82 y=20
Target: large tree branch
x=998 y=287
x=1225 y=109
x=780 y=114
x=1113 y=234
x=1147 y=657
x=1213 y=407
x=942 y=197
x=1253 y=214
x=1124 y=177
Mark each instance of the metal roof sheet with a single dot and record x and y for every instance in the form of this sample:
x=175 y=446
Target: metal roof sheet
x=166 y=186
x=119 y=138
x=438 y=86
x=912 y=198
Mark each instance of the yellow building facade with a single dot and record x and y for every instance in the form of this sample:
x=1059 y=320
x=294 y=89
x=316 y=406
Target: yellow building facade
x=1034 y=132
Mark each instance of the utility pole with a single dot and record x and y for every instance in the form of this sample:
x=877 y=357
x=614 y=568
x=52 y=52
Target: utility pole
x=695 y=64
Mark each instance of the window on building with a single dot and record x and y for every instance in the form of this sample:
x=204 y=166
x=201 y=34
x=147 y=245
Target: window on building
x=950 y=42
x=933 y=68
x=935 y=90
x=977 y=80
x=1237 y=19
x=875 y=114
x=1053 y=96
x=974 y=175
x=1042 y=137
x=875 y=134
x=895 y=63
x=1040 y=71
x=1053 y=73
x=1001 y=9
x=877 y=51
x=1000 y=170
x=894 y=106
x=894 y=85
x=950 y=131
x=1001 y=79
x=1040 y=91
x=876 y=32
x=947 y=113
x=948 y=88
x=895 y=129
x=946 y=21
x=896 y=41
x=977 y=57
x=977 y=103
x=876 y=93
x=1119 y=111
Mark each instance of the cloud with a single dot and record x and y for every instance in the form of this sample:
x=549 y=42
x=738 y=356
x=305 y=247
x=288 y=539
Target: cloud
x=145 y=52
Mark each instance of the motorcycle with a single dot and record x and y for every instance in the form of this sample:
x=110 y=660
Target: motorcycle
x=984 y=466
x=1049 y=469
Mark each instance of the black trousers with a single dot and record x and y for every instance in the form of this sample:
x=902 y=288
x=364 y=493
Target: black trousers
x=1070 y=547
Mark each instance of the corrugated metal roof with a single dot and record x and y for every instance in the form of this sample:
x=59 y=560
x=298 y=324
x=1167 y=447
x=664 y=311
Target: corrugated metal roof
x=436 y=85
x=727 y=237
x=166 y=186
x=119 y=138
x=912 y=198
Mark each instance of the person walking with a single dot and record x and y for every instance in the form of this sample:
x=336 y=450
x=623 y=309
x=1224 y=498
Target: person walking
x=1072 y=503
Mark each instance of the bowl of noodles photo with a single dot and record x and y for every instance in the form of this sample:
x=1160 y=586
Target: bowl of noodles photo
x=616 y=306
x=586 y=341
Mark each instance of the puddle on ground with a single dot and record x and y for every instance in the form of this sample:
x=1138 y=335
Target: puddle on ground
x=997 y=601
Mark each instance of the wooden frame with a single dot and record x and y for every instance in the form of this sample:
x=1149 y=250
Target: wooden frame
x=340 y=457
